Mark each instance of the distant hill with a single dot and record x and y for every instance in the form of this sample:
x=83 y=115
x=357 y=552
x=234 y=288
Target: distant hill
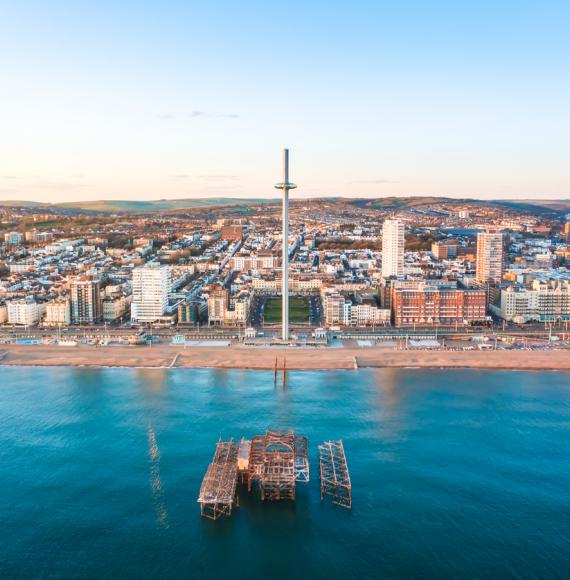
x=532 y=205
x=19 y=203
x=127 y=206
x=178 y=205
x=553 y=204
x=401 y=202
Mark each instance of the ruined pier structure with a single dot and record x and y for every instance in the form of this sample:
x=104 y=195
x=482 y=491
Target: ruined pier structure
x=218 y=493
x=335 y=479
x=277 y=461
x=273 y=464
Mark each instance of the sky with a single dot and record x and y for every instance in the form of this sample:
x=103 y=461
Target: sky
x=149 y=100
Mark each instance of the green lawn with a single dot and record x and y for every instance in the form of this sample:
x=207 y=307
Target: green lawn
x=298 y=310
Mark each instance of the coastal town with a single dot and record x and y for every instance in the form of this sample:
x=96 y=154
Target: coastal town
x=397 y=273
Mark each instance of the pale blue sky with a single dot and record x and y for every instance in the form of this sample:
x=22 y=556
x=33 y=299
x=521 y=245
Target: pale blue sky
x=140 y=100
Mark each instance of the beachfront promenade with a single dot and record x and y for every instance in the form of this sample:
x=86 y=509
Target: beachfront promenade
x=238 y=356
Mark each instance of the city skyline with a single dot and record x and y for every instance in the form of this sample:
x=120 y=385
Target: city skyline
x=209 y=374
x=109 y=102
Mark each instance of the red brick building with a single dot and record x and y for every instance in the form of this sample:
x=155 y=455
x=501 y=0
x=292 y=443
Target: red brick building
x=426 y=304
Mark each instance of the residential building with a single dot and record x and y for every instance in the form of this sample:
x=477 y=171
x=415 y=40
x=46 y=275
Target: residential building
x=189 y=312
x=151 y=287
x=444 y=250
x=367 y=314
x=114 y=307
x=218 y=303
x=13 y=238
x=437 y=304
x=490 y=257
x=542 y=302
x=254 y=262
x=25 y=312
x=343 y=311
x=393 y=240
x=58 y=312
x=337 y=310
x=239 y=309
x=85 y=301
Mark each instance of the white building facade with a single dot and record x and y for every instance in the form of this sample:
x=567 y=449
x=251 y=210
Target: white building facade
x=13 y=238
x=58 y=313
x=25 y=312
x=490 y=259
x=151 y=287
x=542 y=302
x=393 y=240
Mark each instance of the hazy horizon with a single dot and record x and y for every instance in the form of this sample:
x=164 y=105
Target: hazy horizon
x=141 y=101
x=277 y=197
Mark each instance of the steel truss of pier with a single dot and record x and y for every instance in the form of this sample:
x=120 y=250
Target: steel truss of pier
x=277 y=461
x=218 y=493
x=335 y=479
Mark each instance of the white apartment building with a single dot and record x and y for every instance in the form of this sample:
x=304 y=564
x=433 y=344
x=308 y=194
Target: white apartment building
x=361 y=263
x=254 y=262
x=13 y=238
x=58 y=312
x=337 y=310
x=151 y=286
x=113 y=307
x=366 y=314
x=36 y=236
x=238 y=313
x=305 y=284
x=541 y=302
x=490 y=258
x=340 y=311
x=273 y=285
x=393 y=240
x=21 y=267
x=25 y=312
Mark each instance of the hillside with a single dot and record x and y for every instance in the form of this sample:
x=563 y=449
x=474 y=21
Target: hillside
x=178 y=205
x=19 y=203
x=128 y=206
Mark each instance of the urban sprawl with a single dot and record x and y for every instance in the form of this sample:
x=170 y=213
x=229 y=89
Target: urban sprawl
x=358 y=269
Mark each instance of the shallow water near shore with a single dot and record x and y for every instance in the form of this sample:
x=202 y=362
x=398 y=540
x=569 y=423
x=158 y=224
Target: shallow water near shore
x=455 y=473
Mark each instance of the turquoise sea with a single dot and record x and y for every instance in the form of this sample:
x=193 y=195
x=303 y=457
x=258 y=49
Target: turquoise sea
x=456 y=474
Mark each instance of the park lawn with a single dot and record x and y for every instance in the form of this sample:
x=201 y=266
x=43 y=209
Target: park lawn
x=298 y=310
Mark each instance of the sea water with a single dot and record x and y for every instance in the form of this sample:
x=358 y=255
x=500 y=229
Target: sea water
x=455 y=473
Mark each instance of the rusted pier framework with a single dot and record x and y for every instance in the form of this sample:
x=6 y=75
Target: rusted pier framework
x=301 y=459
x=218 y=494
x=277 y=461
x=335 y=479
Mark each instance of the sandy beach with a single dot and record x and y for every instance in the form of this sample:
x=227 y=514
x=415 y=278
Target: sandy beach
x=264 y=358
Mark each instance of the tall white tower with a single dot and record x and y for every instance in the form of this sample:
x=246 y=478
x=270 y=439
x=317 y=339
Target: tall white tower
x=393 y=240
x=489 y=256
x=151 y=286
x=285 y=186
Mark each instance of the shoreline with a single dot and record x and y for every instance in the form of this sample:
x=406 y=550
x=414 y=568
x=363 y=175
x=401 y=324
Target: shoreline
x=259 y=358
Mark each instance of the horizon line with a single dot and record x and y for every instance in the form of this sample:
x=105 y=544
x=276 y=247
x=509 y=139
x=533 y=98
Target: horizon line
x=480 y=197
